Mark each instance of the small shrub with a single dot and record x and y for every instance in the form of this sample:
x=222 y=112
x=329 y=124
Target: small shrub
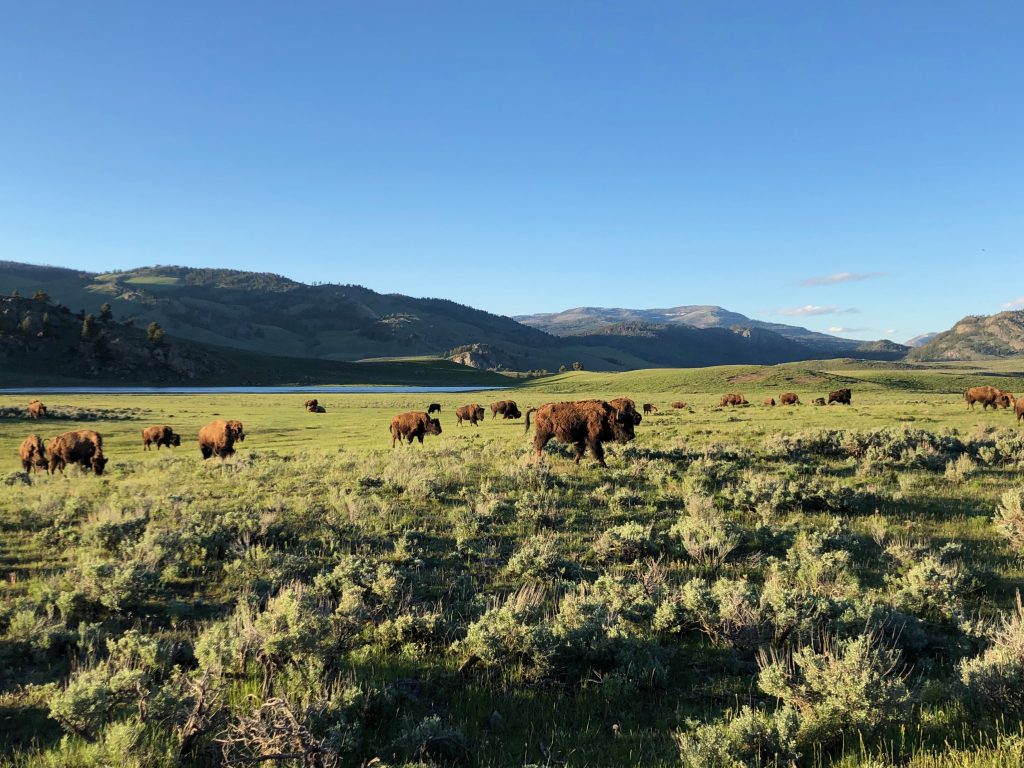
x=1009 y=518
x=625 y=543
x=749 y=738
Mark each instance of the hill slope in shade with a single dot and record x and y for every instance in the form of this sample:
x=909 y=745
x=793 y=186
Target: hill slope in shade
x=272 y=315
x=976 y=337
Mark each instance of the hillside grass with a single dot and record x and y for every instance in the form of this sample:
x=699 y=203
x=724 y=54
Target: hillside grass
x=447 y=533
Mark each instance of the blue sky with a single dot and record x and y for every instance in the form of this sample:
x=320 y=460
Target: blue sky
x=526 y=157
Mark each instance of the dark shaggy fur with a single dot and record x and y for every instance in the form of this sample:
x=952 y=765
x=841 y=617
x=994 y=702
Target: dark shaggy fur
x=218 y=438
x=32 y=453
x=505 y=408
x=471 y=413
x=434 y=408
x=162 y=436
x=841 y=396
x=789 y=398
x=83 y=447
x=584 y=424
x=648 y=409
x=413 y=425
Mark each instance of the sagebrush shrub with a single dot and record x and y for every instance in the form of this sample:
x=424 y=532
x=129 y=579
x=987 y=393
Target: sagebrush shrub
x=1009 y=519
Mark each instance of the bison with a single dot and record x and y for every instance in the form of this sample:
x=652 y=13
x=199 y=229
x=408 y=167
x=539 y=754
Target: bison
x=987 y=396
x=819 y=401
x=471 y=413
x=162 y=435
x=507 y=408
x=309 y=405
x=317 y=409
x=432 y=408
x=584 y=424
x=650 y=408
x=414 y=424
x=1006 y=400
x=32 y=453
x=83 y=447
x=789 y=398
x=36 y=410
x=769 y=401
x=218 y=438
x=679 y=404
x=733 y=399
x=1018 y=408
x=625 y=405
x=841 y=396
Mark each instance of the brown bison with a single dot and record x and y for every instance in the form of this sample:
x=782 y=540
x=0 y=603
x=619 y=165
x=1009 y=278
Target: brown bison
x=1018 y=408
x=789 y=398
x=413 y=425
x=471 y=413
x=584 y=424
x=507 y=408
x=649 y=408
x=1006 y=400
x=841 y=396
x=433 y=408
x=987 y=396
x=309 y=405
x=733 y=399
x=625 y=405
x=162 y=435
x=32 y=453
x=218 y=438
x=83 y=447
x=819 y=401
x=36 y=410
x=679 y=404
x=769 y=401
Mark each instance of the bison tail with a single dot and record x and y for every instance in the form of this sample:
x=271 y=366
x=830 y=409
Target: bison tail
x=528 y=412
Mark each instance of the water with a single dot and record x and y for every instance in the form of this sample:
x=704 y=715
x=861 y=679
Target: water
x=312 y=390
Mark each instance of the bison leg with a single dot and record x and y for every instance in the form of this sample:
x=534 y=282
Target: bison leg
x=206 y=451
x=539 y=441
x=580 y=447
x=394 y=439
x=598 y=450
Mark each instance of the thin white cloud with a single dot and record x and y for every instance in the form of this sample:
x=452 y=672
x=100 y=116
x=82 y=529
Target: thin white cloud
x=1014 y=303
x=809 y=310
x=842 y=277
x=841 y=329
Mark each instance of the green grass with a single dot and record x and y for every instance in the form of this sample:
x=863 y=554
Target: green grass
x=166 y=543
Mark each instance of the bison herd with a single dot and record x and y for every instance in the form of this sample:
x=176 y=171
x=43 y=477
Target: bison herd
x=584 y=424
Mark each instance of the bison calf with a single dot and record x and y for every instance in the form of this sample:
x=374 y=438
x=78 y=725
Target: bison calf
x=32 y=453
x=649 y=408
x=162 y=436
x=218 y=438
x=83 y=447
x=584 y=424
x=413 y=426
x=471 y=413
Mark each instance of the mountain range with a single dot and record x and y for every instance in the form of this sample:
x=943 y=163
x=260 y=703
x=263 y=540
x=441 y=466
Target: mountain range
x=273 y=317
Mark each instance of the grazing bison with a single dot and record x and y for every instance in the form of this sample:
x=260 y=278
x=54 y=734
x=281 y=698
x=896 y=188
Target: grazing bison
x=987 y=396
x=679 y=404
x=733 y=399
x=414 y=424
x=471 y=413
x=32 y=453
x=625 y=405
x=769 y=401
x=507 y=408
x=841 y=396
x=819 y=401
x=162 y=435
x=83 y=447
x=789 y=398
x=36 y=410
x=218 y=438
x=433 y=408
x=584 y=424
x=649 y=408
x=1006 y=400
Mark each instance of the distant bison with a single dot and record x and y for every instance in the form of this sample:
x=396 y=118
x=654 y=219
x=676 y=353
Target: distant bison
x=433 y=408
x=309 y=405
x=413 y=425
x=987 y=396
x=506 y=408
x=218 y=438
x=649 y=408
x=733 y=398
x=36 y=410
x=162 y=436
x=32 y=453
x=471 y=413
x=679 y=404
x=317 y=409
x=584 y=424
x=789 y=398
x=625 y=405
x=819 y=401
x=841 y=396
x=83 y=447
x=769 y=401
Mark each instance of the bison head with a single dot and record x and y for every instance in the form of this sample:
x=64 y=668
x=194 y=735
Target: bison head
x=98 y=463
x=513 y=412
x=237 y=432
x=175 y=440
x=433 y=427
x=622 y=426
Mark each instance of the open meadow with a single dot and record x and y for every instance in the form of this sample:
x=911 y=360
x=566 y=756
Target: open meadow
x=741 y=586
